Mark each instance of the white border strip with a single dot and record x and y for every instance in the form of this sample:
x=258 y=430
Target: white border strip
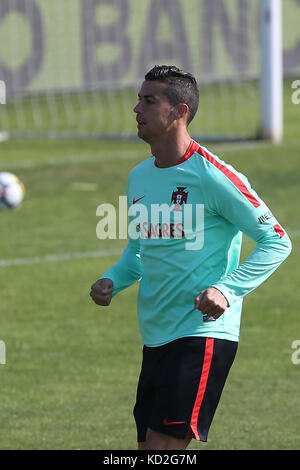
x=71 y=160
x=136 y=154
x=59 y=257
x=80 y=255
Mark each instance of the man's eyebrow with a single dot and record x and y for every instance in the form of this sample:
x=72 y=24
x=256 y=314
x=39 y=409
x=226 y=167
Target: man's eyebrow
x=146 y=96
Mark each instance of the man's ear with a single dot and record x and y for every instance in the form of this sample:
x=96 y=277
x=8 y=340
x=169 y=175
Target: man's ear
x=181 y=110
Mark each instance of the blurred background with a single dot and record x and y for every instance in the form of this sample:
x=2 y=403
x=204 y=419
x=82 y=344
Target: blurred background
x=72 y=70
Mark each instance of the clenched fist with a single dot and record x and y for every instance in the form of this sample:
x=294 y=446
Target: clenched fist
x=101 y=291
x=211 y=302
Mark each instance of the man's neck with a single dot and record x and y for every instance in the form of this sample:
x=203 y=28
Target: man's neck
x=171 y=149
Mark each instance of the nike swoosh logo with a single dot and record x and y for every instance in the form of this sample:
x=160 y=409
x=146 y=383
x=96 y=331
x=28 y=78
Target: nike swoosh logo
x=137 y=200
x=170 y=423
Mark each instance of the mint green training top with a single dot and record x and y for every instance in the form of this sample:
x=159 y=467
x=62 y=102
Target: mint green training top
x=210 y=204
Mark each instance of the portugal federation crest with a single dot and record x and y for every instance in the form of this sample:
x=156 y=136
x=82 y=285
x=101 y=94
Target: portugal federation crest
x=179 y=197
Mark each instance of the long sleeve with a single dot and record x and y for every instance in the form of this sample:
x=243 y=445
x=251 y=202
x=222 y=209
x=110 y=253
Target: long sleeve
x=244 y=209
x=129 y=268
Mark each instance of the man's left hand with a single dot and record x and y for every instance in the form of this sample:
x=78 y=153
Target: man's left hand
x=211 y=302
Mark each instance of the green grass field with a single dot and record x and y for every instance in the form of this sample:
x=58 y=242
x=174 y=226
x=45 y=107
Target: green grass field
x=71 y=367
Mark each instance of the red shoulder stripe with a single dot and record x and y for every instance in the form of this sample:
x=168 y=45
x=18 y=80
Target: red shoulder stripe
x=230 y=175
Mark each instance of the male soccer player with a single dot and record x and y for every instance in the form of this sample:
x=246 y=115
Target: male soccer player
x=191 y=284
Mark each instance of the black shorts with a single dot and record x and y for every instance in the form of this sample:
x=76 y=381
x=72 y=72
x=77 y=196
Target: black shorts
x=180 y=386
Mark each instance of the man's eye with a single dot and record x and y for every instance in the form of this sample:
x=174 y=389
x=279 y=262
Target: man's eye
x=147 y=100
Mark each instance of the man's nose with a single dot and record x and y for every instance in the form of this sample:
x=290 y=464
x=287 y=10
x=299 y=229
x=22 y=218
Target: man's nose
x=137 y=108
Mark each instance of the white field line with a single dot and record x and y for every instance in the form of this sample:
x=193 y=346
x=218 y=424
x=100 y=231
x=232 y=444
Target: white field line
x=71 y=160
x=4 y=263
x=123 y=155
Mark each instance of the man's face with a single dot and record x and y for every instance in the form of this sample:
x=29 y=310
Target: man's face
x=154 y=113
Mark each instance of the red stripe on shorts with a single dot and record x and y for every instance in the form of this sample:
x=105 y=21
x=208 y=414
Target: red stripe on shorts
x=209 y=349
x=238 y=183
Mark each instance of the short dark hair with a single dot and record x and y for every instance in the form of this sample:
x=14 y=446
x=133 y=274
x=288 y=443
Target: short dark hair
x=182 y=86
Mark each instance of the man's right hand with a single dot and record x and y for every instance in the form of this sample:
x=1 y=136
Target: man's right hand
x=101 y=291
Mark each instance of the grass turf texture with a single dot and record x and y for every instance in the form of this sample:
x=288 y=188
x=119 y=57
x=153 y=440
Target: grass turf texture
x=71 y=367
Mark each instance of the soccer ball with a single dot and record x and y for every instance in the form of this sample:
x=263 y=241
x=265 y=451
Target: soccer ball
x=12 y=191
